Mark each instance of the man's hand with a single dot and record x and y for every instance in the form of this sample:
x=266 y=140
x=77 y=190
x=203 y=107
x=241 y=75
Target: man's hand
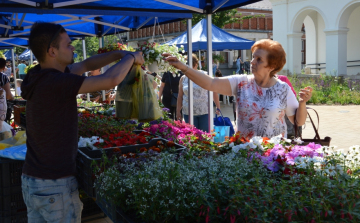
x=139 y=59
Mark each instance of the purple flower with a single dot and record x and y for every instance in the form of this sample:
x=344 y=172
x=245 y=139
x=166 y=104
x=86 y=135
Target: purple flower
x=131 y=122
x=153 y=122
x=166 y=110
x=140 y=125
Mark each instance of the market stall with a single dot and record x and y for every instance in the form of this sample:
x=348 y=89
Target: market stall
x=154 y=169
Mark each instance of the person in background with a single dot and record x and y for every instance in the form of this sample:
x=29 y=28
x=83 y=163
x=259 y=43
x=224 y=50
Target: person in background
x=200 y=101
x=5 y=129
x=48 y=181
x=238 y=65
x=8 y=69
x=18 y=86
x=247 y=66
x=97 y=96
x=290 y=126
x=214 y=65
x=21 y=69
x=4 y=80
x=169 y=83
x=262 y=100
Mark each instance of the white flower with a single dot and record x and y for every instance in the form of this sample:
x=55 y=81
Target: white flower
x=182 y=46
x=298 y=140
x=236 y=149
x=231 y=144
x=287 y=140
x=252 y=145
x=183 y=51
x=302 y=165
x=257 y=140
x=331 y=170
x=276 y=139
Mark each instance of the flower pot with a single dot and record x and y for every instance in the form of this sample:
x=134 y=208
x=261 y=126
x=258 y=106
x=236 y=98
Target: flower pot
x=155 y=68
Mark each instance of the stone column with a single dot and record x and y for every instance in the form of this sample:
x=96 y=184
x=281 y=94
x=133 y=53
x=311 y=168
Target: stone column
x=294 y=53
x=336 y=51
x=281 y=19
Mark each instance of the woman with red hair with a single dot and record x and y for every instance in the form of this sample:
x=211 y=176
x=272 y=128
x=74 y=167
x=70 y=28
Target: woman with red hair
x=262 y=100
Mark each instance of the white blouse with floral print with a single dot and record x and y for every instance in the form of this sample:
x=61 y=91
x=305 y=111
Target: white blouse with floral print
x=260 y=111
x=200 y=96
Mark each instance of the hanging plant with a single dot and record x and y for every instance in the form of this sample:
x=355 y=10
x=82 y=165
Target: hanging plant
x=153 y=54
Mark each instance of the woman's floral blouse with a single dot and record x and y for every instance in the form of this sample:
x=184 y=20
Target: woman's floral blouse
x=260 y=111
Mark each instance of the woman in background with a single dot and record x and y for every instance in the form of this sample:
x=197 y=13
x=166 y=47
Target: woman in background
x=200 y=101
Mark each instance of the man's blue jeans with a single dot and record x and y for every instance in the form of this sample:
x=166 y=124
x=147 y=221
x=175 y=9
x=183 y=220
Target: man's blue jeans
x=51 y=200
x=200 y=121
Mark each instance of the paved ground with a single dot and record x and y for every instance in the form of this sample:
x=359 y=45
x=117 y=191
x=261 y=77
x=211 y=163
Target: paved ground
x=341 y=123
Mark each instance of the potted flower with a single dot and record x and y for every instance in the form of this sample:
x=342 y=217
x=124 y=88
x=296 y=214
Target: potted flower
x=153 y=56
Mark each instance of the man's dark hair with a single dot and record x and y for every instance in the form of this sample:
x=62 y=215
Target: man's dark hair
x=23 y=61
x=42 y=36
x=2 y=63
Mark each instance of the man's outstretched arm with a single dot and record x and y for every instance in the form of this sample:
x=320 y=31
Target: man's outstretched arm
x=112 y=76
x=97 y=61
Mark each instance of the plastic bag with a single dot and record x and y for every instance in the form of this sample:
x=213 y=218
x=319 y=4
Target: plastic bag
x=18 y=139
x=145 y=96
x=15 y=152
x=124 y=96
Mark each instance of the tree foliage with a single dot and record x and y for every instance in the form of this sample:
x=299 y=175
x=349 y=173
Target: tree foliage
x=92 y=46
x=220 y=19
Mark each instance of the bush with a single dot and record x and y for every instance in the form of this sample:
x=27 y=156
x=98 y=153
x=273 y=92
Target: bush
x=329 y=89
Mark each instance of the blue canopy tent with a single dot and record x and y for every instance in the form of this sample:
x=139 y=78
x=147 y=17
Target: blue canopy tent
x=221 y=40
x=26 y=55
x=8 y=55
x=146 y=8
x=121 y=7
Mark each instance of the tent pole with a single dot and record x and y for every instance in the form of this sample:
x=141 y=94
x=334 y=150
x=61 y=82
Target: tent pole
x=210 y=70
x=200 y=60
x=190 y=83
x=14 y=71
x=31 y=57
x=84 y=58
x=101 y=44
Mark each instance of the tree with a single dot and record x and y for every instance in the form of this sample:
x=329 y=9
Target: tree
x=220 y=19
x=92 y=46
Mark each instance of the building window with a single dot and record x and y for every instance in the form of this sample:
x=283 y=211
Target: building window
x=302 y=57
x=302 y=44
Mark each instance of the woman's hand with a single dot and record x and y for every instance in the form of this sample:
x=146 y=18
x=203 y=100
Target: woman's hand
x=217 y=111
x=178 y=115
x=305 y=94
x=173 y=61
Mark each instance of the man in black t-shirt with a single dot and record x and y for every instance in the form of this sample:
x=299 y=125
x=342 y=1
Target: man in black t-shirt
x=48 y=182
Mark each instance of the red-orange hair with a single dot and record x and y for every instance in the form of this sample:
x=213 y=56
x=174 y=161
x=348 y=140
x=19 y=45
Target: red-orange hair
x=276 y=54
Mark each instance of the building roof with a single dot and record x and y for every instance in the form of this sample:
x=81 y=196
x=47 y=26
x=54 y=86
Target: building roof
x=262 y=5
